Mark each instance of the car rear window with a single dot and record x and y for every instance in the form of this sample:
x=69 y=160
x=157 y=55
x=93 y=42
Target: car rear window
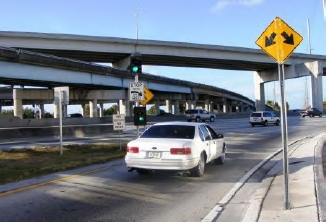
x=255 y=115
x=170 y=131
x=191 y=111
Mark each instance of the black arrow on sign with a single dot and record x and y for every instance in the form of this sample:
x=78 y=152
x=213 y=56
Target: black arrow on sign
x=270 y=41
x=288 y=39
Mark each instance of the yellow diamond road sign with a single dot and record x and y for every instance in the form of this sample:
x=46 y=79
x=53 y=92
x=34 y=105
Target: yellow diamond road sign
x=279 y=40
x=148 y=96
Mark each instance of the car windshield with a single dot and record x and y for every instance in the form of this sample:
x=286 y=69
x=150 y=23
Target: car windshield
x=170 y=131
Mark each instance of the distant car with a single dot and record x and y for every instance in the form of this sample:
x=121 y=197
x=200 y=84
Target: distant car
x=74 y=115
x=177 y=146
x=312 y=112
x=263 y=118
x=163 y=113
x=199 y=115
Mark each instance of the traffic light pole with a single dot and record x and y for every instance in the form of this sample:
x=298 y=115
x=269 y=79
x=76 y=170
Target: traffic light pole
x=137 y=104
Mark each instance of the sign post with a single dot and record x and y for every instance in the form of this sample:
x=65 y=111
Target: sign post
x=61 y=97
x=119 y=123
x=279 y=41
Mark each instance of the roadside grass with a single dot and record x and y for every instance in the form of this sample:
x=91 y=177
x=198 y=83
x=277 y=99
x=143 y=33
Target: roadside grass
x=22 y=164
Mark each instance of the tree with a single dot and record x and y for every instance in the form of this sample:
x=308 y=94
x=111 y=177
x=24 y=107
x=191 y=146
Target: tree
x=151 y=110
x=8 y=112
x=110 y=111
x=28 y=113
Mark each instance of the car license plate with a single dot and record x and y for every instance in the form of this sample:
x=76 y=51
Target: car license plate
x=155 y=155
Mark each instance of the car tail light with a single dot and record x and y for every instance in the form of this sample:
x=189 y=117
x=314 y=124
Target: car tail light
x=132 y=149
x=180 y=151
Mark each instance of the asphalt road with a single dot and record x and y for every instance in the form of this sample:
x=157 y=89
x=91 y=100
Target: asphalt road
x=113 y=194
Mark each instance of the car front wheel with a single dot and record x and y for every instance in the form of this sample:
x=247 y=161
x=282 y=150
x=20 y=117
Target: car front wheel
x=277 y=123
x=212 y=119
x=198 y=171
x=197 y=119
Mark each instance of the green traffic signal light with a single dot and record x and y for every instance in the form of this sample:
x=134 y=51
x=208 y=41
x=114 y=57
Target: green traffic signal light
x=141 y=118
x=134 y=69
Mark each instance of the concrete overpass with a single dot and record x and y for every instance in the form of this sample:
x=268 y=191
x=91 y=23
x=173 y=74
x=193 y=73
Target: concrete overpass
x=165 y=53
x=96 y=83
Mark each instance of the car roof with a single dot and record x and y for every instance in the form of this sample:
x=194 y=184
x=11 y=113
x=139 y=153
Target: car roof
x=180 y=123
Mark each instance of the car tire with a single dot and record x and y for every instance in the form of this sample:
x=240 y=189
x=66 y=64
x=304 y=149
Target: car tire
x=188 y=120
x=212 y=119
x=197 y=119
x=265 y=123
x=198 y=171
x=142 y=171
x=252 y=124
x=220 y=160
x=320 y=115
x=277 y=123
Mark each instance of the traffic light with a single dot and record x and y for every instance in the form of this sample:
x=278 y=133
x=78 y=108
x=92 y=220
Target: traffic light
x=140 y=117
x=135 y=65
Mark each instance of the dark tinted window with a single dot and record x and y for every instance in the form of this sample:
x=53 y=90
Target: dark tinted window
x=169 y=131
x=212 y=132
x=267 y=114
x=191 y=111
x=256 y=115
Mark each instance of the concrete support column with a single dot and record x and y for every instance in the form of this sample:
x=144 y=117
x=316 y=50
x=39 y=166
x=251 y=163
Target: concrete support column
x=193 y=104
x=188 y=104
x=176 y=107
x=129 y=108
x=218 y=108
x=207 y=106
x=93 y=108
x=225 y=108
x=238 y=109
x=83 y=109
x=157 y=107
x=122 y=106
x=259 y=92
x=18 y=108
x=316 y=72
x=101 y=111
x=168 y=105
x=41 y=111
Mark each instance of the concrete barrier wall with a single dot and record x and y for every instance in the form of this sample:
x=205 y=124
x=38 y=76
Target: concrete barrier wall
x=80 y=127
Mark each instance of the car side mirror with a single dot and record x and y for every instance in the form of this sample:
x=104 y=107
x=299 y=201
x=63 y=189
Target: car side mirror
x=220 y=136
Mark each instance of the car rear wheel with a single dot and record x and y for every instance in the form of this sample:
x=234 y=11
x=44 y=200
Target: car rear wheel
x=212 y=119
x=265 y=123
x=277 y=123
x=252 y=124
x=198 y=171
x=188 y=120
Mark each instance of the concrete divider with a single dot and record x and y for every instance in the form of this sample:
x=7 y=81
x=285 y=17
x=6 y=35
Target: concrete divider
x=13 y=128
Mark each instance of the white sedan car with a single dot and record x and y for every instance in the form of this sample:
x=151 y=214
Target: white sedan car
x=176 y=146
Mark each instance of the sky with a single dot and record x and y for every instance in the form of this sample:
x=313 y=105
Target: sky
x=217 y=22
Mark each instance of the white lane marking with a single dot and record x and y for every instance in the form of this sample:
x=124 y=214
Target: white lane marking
x=219 y=207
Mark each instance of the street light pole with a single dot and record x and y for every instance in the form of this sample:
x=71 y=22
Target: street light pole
x=136 y=18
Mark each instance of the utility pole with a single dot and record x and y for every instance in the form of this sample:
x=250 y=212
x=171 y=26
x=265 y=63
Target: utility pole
x=306 y=94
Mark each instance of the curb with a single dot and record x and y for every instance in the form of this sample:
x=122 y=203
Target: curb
x=256 y=202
